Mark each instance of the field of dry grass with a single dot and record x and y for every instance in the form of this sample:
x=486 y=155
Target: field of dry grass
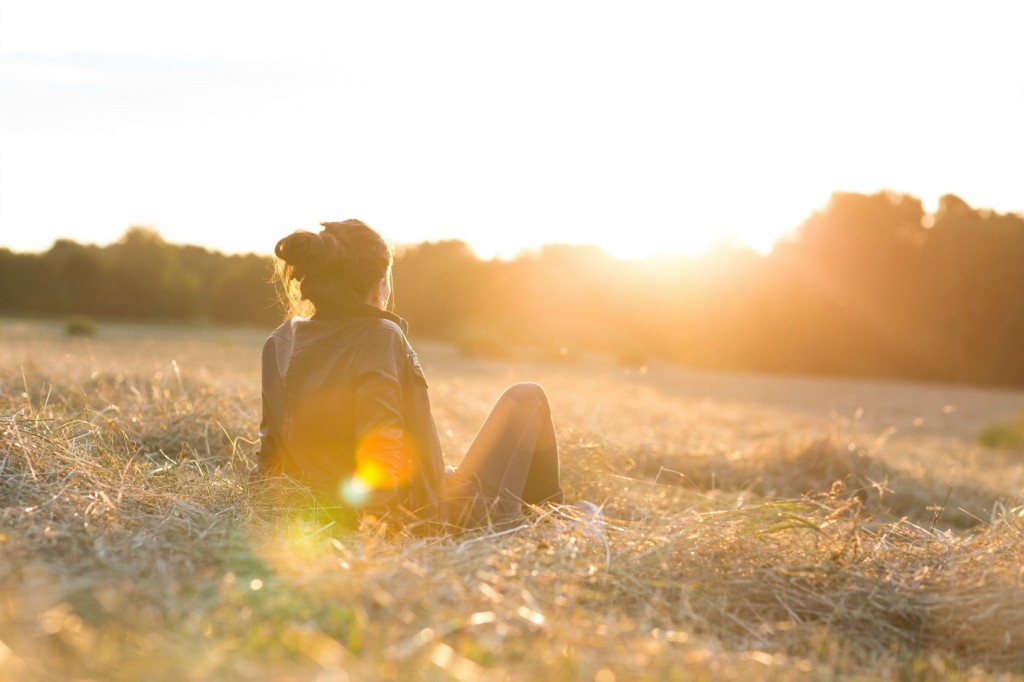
x=757 y=528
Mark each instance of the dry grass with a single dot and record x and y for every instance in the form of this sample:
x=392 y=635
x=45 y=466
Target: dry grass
x=132 y=545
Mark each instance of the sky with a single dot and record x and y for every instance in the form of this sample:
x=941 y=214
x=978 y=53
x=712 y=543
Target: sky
x=640 y=125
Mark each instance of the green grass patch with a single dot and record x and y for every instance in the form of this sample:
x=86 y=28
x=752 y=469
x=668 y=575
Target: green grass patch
x=1004 y=436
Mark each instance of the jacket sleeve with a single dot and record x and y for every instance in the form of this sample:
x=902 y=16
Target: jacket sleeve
x=380 y=471
x=268 y=457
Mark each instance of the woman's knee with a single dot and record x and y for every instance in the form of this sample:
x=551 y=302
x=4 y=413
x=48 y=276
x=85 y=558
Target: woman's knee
x=527 y=392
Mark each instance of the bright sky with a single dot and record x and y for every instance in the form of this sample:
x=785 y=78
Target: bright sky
x=639 y=125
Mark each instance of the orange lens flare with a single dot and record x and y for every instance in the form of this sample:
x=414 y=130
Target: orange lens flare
x=380 y=469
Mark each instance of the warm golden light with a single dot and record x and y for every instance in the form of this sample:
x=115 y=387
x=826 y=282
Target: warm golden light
x=373 y=478
x=643 y=127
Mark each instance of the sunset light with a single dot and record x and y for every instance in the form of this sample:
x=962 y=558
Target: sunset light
x=641 y=126
x=500 y=340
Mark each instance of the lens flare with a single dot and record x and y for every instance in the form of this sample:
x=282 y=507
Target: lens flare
x=355 y=491
x=380 y=470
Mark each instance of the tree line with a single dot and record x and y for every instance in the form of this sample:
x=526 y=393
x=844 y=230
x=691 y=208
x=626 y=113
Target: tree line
x=869 y=285
x=140 y=277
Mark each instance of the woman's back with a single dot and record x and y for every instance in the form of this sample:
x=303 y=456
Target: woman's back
x=346 y=410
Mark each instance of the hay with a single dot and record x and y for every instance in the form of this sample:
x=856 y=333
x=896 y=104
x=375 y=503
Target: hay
x=133 y=546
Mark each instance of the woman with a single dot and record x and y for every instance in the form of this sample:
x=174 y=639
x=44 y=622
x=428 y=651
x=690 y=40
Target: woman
x=345 y=406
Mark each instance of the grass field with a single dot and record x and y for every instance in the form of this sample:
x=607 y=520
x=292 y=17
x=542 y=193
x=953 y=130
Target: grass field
x=757 y=528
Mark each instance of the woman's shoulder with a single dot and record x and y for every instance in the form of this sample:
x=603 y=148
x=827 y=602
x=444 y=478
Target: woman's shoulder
x=299 y=333
x=284 y=332
x=304 y=331
x=389 y=327
x=287 y=333
x=384 y=333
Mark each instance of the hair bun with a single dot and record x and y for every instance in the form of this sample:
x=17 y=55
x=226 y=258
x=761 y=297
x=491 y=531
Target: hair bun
x=334 y=269
x=303 y=250
x=342 y=234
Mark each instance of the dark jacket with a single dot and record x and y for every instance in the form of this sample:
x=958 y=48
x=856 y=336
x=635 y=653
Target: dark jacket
x=345 y=409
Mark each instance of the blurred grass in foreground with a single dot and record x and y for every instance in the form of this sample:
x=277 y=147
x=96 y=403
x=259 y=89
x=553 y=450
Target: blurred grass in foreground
x=132 y=546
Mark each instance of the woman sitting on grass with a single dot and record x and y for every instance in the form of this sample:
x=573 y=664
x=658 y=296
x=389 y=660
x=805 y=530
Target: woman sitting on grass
x=345 y=405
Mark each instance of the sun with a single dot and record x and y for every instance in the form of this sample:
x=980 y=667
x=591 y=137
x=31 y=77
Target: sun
x=756 y=232
x=757 y=227
x=687 y=243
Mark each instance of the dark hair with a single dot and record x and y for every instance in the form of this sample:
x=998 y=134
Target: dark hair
x=334 y=269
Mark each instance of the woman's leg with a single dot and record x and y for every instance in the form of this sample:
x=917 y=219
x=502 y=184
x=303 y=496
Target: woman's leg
x=513 y=459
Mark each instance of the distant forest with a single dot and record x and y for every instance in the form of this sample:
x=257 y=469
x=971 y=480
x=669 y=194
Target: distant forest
x=871 y=285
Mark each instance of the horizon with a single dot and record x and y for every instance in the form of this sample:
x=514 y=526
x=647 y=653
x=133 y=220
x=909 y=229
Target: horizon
x=524 y=252
x=639 y=126
x=726 y=242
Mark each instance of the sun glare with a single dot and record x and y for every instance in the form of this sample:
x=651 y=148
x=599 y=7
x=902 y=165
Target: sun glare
x=758 y=223
x=627 y=247
x=639 y=243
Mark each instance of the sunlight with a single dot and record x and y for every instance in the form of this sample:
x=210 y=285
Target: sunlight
x=640 y=127
x=639 y=243
x=686 y=242
x=754 y=216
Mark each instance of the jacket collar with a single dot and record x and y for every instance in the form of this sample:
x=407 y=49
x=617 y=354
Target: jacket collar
x=356 y=310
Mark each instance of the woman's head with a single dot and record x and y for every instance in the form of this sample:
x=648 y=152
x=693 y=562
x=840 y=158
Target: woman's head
x=343 y=265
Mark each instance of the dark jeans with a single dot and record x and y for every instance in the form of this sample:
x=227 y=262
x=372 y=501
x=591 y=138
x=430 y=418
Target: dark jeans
x=513 y=461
